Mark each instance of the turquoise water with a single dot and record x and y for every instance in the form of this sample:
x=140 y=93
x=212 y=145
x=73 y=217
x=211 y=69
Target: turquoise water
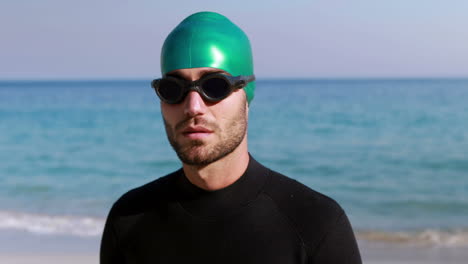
x=394 y=153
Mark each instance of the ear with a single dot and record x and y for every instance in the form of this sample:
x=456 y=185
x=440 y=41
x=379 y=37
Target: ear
x=246 y=108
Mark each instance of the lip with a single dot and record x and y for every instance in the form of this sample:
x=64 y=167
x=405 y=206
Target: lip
x=196 y=132
x=196 y=129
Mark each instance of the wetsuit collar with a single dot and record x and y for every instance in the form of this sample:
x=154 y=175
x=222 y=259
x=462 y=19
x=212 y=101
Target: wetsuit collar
x=228 y=200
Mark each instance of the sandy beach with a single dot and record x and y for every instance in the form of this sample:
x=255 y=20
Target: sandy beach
x=18 y=247
x=49 y=259
x=383 y=255
x=387 y=256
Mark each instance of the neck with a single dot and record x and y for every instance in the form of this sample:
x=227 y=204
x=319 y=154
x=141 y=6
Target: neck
x=220 y=173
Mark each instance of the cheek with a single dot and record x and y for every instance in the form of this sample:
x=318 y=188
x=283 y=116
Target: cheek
x=232 y=110
x=169 y=113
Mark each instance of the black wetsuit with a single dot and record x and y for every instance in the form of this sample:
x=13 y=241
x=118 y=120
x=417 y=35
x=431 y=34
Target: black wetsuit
x=264 y=217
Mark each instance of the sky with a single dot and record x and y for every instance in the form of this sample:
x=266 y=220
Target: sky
x=117 y=39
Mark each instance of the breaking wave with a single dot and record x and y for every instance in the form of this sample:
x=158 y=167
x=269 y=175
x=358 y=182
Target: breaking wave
x=428 y=237
x=47 y=224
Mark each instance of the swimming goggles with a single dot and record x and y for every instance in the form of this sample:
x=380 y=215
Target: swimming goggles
x=212 y=87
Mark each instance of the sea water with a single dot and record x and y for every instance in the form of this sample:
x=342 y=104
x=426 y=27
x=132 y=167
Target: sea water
x=393 y=153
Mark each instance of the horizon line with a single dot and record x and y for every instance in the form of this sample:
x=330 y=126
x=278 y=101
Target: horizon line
x=106 y=79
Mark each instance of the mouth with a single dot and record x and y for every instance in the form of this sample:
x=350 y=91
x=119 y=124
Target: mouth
x=196 y=132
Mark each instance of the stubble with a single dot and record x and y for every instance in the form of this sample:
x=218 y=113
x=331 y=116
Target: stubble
x=201 y=153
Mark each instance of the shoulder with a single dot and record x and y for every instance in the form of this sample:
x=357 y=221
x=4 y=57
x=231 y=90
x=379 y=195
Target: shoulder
x=145 y=197
x=312 y=214
x=291 y=195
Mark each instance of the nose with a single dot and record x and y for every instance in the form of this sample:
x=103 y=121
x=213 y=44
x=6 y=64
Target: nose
x=194 y=104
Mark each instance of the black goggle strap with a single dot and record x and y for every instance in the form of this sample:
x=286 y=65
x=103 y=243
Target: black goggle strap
x=240 y=81
x=248 y=78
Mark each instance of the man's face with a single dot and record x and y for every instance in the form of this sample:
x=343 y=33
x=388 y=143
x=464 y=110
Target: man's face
x=202 y=132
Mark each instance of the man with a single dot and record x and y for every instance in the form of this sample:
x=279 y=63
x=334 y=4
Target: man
x=222 y=206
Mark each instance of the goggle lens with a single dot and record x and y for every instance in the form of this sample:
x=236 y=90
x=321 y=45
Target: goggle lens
x=169 y=89
x=216 y=88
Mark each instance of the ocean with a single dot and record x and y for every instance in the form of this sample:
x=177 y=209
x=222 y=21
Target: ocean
x=393 y=153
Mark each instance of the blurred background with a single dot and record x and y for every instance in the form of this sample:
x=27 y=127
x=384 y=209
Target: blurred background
x=364 y=101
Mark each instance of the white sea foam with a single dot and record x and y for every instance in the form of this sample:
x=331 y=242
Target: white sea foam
x=91 y=226
x=47 y=224
x=429 y=237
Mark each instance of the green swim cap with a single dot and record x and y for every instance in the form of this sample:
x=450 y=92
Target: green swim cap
x=208 y=39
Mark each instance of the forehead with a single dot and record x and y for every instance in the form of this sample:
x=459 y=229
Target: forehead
x=191 y=73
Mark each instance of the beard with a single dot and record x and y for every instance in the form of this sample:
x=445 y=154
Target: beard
x=201 y=153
